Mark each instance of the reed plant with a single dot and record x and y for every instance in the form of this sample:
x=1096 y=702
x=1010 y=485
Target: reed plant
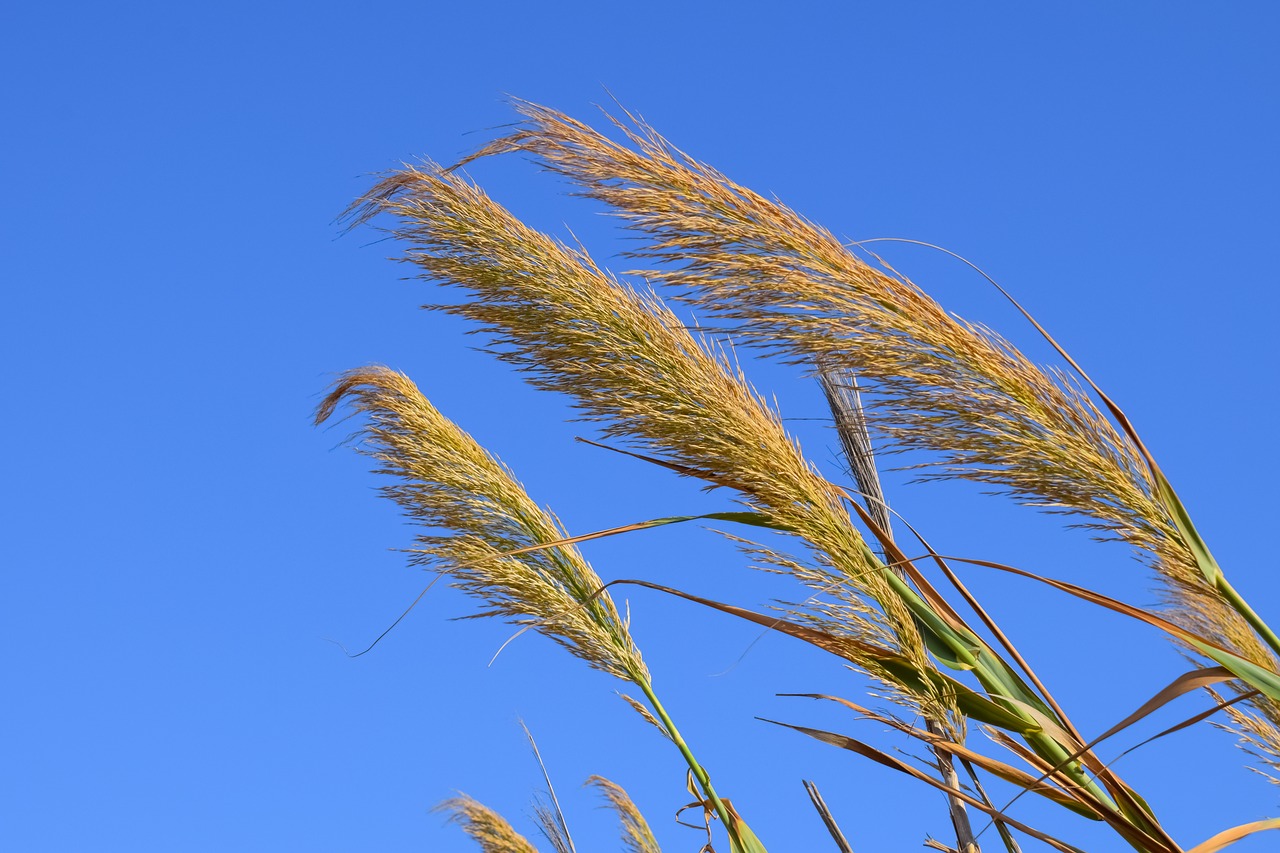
x=899 y=373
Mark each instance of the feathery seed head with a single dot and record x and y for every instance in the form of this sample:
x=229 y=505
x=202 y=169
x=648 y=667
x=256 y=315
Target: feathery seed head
x=446 y=481
x=934 y=381
x=485 y=826
x=637 y=837
x=627 y=362
x=939 y=383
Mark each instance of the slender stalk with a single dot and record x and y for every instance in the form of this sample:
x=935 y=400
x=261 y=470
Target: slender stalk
x=965 y=840
x=699 y=772
x=845 y=401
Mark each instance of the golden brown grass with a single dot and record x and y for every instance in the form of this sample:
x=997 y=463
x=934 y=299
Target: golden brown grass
x=628 y=362
x=486 y=827
x=477 y=513
x=932 y=382
x=942 y=385
x=637 y=837
x=792 y=288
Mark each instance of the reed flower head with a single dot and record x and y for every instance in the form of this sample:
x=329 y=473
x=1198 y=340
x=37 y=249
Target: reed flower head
x=637 y=837
x=447 y=482
x=933 y=381
x=937 y=382
x=627 y=362
x=485 y=826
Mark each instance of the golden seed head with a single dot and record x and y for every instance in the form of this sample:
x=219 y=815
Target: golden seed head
x=485 y=826
x=934 y=382
x=637 y=837
x=627 y=361
x=447 y=482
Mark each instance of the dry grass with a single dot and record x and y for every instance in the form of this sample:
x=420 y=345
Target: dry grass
x=449 y=484
x=486 y=827
x=629 y=363
x=637 y=837
x=978 y=408
x=942 y=385
x=792 y=288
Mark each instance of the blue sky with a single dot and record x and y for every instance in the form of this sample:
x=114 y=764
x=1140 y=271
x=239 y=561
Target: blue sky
x=180 y=545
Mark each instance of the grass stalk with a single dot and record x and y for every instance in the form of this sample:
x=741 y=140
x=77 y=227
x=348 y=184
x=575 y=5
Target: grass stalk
x=845 y=401
x=695 y=767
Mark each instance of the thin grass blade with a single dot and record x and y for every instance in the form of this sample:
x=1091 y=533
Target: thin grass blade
x=1231 y=836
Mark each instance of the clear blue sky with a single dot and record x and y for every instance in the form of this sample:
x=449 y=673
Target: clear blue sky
x=180 y=545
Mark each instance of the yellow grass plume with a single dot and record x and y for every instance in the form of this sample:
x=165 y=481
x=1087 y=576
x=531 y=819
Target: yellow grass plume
x=637 y=837
x=486 y=827
x=935 y=382
x=629 y=363
x=938 y=382
x=477 y=511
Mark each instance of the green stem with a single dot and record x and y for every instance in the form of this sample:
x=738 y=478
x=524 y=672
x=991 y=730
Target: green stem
x=1242 y=607
x=996 y=677
x=1004 y=686
x=999 y=685
x=699 y=773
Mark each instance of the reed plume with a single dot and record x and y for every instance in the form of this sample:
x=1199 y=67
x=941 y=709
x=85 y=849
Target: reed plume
x=795 y=290
x=501 y=547
x=983 y=410
x=629 y=363
x=486 y=827
x=637 y=837
x=479 y=513
x=933 y=382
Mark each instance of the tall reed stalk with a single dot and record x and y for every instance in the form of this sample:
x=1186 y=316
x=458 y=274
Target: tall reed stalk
x=896 y=368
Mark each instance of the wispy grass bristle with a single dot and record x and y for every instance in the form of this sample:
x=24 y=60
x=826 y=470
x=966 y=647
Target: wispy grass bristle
x=552 y=830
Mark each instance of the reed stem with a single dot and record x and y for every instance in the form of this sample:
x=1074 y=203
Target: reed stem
x=699 y=773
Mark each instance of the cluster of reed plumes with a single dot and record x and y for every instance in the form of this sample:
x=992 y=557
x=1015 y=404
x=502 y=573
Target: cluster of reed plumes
x=894 y=366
